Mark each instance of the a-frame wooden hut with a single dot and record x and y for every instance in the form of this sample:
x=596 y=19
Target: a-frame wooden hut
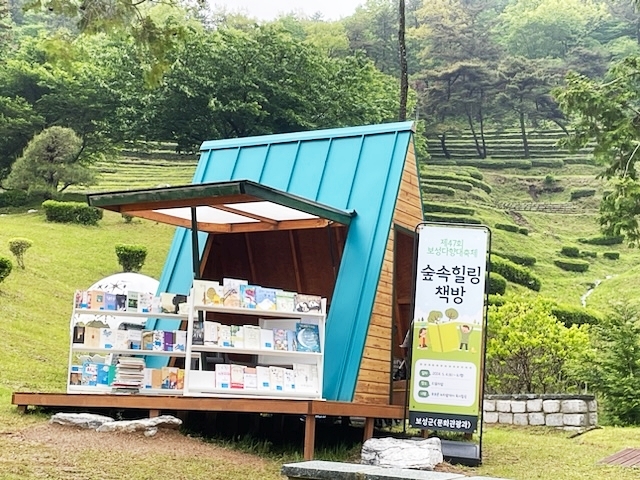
x=363 y=266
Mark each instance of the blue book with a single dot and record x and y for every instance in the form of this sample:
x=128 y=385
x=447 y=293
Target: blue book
x=110 y=301
x=308 y=337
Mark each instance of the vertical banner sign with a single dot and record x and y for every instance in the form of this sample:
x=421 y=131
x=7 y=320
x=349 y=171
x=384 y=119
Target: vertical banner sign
x=448 y=328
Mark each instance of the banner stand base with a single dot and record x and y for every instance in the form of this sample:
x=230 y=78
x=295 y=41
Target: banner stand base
x=461 y=453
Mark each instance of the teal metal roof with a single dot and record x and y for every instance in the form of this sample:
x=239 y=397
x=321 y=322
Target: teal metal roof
x=350 y=169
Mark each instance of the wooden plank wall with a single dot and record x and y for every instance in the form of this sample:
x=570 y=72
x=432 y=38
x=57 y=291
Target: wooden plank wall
x=374 y=378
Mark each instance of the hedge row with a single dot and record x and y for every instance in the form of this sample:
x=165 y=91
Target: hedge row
x=13 y=198
x=474 y=172
x=71 y=212
x=579 y=161
x=494 y=164
x=547 y=162
x=452 y=219
x=496 y=300
x=573 y=252
x=570 y=315
x=497 y=284
x=525 y=260
x=611 y=255
x=602 y=240
x=455 y=184
x=509 y=227
x=438 y=190
x=572 y=265
x=582 y=192
x=515 y=273
x=443 y=208
x=479 y=184
x=588 y=254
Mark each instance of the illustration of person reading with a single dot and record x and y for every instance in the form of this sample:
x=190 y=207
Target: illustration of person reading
x=465 y=332
x=422 y=338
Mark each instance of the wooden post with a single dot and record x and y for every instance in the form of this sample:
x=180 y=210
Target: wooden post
x=154 y=413
x=22 y=409
x=368 y=428
x=309 y=436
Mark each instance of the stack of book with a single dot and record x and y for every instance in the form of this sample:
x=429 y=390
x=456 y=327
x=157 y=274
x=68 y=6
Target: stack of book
x=129 y=376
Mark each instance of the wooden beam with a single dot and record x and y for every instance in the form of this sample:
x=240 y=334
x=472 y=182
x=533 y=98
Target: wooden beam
x=309 y=436
x=154 y=412
x=134 y=208
x=252 y=265
x=368 y=428
x=294 y=255
x=235 y=211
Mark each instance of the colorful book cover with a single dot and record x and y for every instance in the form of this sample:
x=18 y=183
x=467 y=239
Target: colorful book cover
x=121 y=302
x=224 y=336
x=132 y=301
x=78 y=334
x=89 y=374
x=265 y=298
x=80 y=299
x=158 y=340
x=289 y=380
x=223 y=376
x=110 y=301
x=263 y=378
x=443 y=337
x=75 y=375
x=134 y=337
x=266 y=339
x=250 y=378
x=168 y=341
x=107 y=338
x=231 y=292
x=307 y=303
x=248 y=296
x=237 y=376
x=276 y=378
x=145 y=302
x=280 y=339
x=147 y=340
x=252 y=337
x=205 y=293
x=156 y=378
x=308 y=337
x=292 y=344
x=237 y=336
x=180 y=383
x=96 y=299
x=167 y=302
x=179 y=340
x=211 y=332
x=169 y=378
x=285 y=301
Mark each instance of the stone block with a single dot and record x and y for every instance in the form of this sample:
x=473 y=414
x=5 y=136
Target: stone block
x=534 y=405
x=536 y=418
x=574 y=406
x=521 y=419
x=421 y=454
x=592 y=405
x=554 y=420
x=489 y=406
x=518 y=406
x=506 y=418
x=503 y=406
x=593 y=418
x=490 y=417
x=574 y=419
x=551 y=406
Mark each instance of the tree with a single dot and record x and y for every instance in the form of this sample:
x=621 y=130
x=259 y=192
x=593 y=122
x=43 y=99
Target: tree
x=51 y=161
x=18 y=124
x=402 y=49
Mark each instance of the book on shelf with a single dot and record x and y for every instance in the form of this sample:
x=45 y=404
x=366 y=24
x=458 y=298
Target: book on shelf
x=75 y=375
x=89 y=374
x=285 y=301
x=147 y=339
x=248 y=296
x=180 y=383
x=280 y=339
x=107 y=338
x=265 y=298
x=134 y=338
x=168 y=341
x=197 y=333
x=237 y=376
x=231 y=292
x=224 y=335
x=251 y=337
x=156 y=304
x=262 y=374
x=92 y=337
x=223 y=376
x=81 y=299
x=96 y=299
x=110 y=301
x=78 y=334
x=266 y=339
x=306 y=377
x=145 y=302
x=211 y=332
x=308 y=337
x=250 y=378
x=307 y=303
x=132 y=300
x=292 y=344
x=207 y=293
x=156 y=378
x=121 y=302
x=169 y=378
x=237 y=336
x=158 y=340
x=179 y=340
x=121 y=341
x=276 y=378
x=289 y=380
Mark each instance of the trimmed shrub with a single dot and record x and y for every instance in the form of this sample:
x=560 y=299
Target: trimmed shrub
x=452 y=219
x=602 y=240
x=507 y=226
x=455 y=184
x=18 y=246
x=579 y=161
x=5 y=268
x=611 y=255
x=495 y=164
x=443 y=162
x=547 y=162
x=572 y=265
x=479 y=184
x=443 y=208
x=515 y=273
x=438 y=190
x=582 y=192
x=497 y=284
x=475 y=174
x=13 y=198
x=525 y=260
x=127 y=218
x=570 y=315
x=496 y=300
x=523 y=231
x=131 y=257
x=573 y=252
x=71 y=212
x=588 y=254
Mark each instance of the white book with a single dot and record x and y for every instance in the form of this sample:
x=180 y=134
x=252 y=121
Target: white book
x=211 y=333
x=252 y=337
x=306 y=377
x=289 y=380
x=263 y=378
x=146 y=379
x=134 y=339
x=266 y=338
x=250 y=378
x=107 y=338
x=145 y=302
x=180 y=340
x=121 y=340
x=202 y=379
x=224 y=335
x=237 y=336
x=158 y=340
x=223 y=375
x=276 y=378
x=204 y=292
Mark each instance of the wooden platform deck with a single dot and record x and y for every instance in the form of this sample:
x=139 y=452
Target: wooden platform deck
x=156 y=404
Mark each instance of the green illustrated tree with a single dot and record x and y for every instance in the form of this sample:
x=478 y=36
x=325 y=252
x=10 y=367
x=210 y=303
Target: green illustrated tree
x=18 y=246
x=50 y=162
x=434 y=316
x=451 y=314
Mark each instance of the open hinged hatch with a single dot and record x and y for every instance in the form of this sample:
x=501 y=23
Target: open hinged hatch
x=222 y=207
